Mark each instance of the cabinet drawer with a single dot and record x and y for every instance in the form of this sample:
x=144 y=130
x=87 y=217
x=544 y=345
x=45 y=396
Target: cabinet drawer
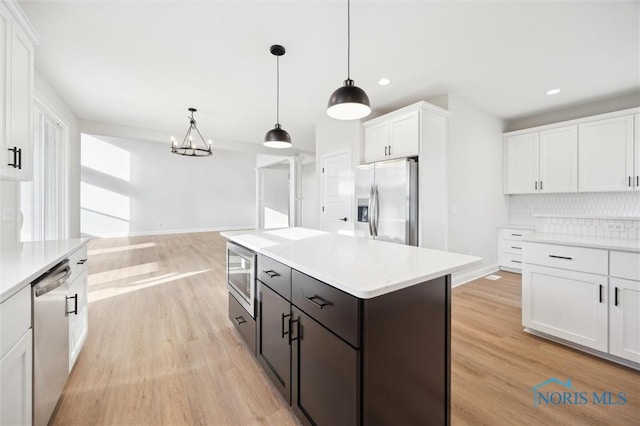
x=514 y=234
x=511 y=260
x=335 y=309
x=276 y=275
x=15 y=319
x=625 y=265
x=513 y=247
x=593 y=261
x=243 y=322
x=78 y=262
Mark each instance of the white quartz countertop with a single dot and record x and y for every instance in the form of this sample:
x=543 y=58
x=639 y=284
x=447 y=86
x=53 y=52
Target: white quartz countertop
x=362 y=267
x=23 y=263
x=527 y=227
x=584 y=241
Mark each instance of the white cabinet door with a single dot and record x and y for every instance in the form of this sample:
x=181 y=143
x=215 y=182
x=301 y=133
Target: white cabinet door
x=404 y=136
x=605 y=155
x=521 y=163
x=559 y=160
x=566 y=304
x=78 y=322
x=636 y=150
x=15 y=383
x=5 y=35
x=376 y=142
x=624 y=319
x=20 y=120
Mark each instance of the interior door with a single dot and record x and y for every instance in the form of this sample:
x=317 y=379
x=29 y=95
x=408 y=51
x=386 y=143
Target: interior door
x=337 y=193
x=392 y=203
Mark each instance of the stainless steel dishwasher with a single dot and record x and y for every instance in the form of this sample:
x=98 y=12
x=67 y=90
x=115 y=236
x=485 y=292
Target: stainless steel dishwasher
x=50 y=340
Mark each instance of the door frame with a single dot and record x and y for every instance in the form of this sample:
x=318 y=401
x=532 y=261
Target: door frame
x=63 y=163
x=323 y=157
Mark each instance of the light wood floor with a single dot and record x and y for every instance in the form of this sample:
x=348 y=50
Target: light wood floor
x=161 y=351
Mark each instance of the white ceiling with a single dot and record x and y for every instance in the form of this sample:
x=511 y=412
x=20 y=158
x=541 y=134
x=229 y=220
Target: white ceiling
x=144 y=63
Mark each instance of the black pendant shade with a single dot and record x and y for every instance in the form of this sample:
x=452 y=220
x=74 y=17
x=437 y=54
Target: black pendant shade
x=348 y=102
x=277 y=137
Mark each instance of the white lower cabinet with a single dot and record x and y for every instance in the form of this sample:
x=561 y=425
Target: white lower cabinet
x=582 y=295
x=566 y=304
x=15 y=383
x=78 y=317
x=624 y=319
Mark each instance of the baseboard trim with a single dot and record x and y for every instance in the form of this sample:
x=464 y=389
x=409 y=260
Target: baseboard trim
x=581 y=348
x=474 y=274
x=169 y=231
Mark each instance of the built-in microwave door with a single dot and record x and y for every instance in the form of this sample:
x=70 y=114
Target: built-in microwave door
x=241 y=264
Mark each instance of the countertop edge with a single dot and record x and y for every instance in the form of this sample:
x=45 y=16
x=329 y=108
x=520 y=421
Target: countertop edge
x=42 y=269
x=346 y=288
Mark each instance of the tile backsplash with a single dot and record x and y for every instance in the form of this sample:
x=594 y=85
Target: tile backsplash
x=629 y=229
x=523 y=207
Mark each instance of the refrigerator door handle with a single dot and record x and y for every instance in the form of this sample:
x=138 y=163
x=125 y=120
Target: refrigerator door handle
x=376 y=211
x=370 y=211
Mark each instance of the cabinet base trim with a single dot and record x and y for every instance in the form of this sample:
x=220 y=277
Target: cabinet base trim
x=581 y=348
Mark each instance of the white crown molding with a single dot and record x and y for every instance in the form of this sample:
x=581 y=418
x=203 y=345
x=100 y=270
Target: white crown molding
x=21 y=17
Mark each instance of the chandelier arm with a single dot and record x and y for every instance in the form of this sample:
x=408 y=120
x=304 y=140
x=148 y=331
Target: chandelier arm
x=206 y=145
x=186 y=137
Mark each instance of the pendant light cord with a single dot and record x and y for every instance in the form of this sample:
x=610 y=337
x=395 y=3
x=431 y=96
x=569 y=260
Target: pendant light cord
x=348 y=40
x=278 y=90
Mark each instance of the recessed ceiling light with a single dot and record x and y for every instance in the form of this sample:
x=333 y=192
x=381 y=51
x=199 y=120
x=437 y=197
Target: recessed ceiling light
x=384 y=81
x=553 y=91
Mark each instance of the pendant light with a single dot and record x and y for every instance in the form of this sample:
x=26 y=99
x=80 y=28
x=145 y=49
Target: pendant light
x=277 y=137
x=348 y=102
x=189 y=146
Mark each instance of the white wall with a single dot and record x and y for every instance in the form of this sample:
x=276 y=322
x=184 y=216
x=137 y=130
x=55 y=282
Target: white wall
x=474 y=174
x=132 y=187
x=310 y=217
x=9 y=203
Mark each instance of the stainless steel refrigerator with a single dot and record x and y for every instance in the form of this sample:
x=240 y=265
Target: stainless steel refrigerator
x=387 y=201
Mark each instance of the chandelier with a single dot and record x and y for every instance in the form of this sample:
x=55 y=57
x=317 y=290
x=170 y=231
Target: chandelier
x=189 y=146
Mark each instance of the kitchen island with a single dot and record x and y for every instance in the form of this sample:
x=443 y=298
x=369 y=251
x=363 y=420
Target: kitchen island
x=350 y=330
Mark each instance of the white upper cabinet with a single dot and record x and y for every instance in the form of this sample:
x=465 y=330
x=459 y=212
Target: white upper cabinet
x=559 y=160
x=395 y=137
x=593 y=154
x=606 y=155
x=521 y=155
x=376 y=142
x=16 y=94
x=404 y=135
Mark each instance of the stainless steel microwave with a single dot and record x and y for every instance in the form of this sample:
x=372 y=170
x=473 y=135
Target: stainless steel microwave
x=241 y=276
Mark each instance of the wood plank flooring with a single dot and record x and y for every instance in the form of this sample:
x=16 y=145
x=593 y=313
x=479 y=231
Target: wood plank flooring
x=161 y=351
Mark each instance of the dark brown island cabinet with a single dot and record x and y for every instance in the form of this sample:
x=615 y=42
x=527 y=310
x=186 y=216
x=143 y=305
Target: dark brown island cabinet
x=341 y=360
